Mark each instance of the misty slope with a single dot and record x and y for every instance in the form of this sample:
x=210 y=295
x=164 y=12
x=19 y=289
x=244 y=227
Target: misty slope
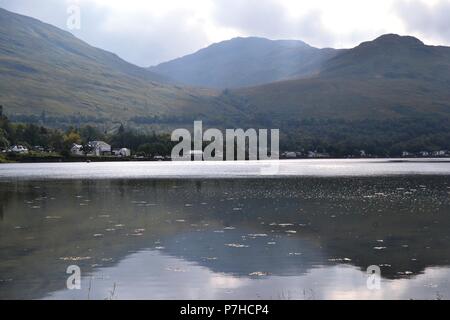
x=43 y=68
x=246 y=62
x=390 y=77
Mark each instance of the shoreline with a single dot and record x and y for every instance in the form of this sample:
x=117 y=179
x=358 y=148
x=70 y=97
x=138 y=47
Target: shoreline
x=60 y=159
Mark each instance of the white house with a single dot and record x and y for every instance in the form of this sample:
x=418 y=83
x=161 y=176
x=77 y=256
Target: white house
x=289 y=155
x=100 y=148
x=315 y=154
x=77 y=150
x=19 y=149
x=124 y=152
x=440 y=153
x=406 y=154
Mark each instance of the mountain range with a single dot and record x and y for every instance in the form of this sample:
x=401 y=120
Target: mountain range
x=392 y=80
x=249 y=61
x=390 y=77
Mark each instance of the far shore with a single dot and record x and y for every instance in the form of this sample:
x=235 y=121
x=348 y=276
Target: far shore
x=61 y=159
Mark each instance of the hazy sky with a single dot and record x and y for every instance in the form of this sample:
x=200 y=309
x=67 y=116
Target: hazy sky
x=147 y=32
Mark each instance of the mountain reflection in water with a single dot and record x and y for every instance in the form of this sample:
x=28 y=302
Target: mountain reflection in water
x=291 y=238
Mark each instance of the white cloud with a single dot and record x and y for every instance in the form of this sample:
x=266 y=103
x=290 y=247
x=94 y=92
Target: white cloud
x=146 y=32
x=430 y=19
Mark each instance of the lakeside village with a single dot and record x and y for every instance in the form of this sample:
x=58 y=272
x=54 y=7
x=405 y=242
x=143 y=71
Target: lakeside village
x=100 y=150
x=21 y=142
x=362 y=154
x=93 y=150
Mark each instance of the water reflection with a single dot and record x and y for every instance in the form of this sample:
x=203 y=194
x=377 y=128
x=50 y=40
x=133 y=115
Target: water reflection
x=152 y=275
x=300 y=238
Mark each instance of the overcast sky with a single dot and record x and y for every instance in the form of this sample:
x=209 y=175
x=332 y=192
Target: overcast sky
x=147 y=32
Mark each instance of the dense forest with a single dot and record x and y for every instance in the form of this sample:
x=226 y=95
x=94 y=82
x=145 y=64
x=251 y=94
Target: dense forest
x=41 y=138
x=338 y=138
x=387 y=138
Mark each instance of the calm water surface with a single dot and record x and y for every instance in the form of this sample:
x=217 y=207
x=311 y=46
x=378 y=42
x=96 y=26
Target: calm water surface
x=194 y=231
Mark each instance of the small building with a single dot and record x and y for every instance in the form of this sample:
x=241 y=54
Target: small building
x=289 y=155
x=311 y=154
x=77 y=150
x=406 y=154
x=315 y=154
x=99 y=148
x=424 y=154
x=440 y=153
x=19 y=149
x=123 y=152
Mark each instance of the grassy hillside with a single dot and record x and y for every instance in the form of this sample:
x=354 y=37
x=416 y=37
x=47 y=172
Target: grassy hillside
x=46 y=70
x=391 y=57
x=390 y=77
x=350 y=99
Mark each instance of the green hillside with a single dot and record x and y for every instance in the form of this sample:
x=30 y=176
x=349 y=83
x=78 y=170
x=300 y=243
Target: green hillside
x=391 y=57
x=46 y=70
x=390 y=77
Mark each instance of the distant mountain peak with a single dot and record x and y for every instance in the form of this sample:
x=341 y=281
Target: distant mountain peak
x=395 y=39
x=245 y=61
x=253 y=39
x=391 y=56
